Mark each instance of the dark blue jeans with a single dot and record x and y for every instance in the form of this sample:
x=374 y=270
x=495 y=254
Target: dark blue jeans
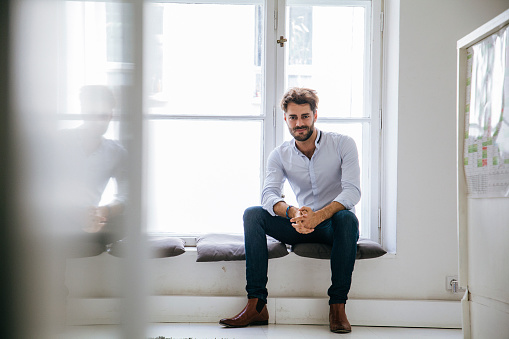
x=341 y=231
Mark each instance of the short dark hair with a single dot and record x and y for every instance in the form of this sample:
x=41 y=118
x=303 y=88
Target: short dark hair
x=100 y=93
x=300 y=96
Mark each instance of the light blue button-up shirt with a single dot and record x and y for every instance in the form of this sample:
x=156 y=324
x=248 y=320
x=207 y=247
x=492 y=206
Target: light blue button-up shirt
x=332 y=173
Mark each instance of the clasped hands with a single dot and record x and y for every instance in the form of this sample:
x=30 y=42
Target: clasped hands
x=305 y=220
x=97 y=219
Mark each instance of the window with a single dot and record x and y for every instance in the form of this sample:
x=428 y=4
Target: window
x=205 y=123
x=96 y=52
x=334 y=49
x=214 y=76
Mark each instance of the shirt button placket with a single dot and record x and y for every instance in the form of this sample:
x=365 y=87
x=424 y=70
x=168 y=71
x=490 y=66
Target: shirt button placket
x=313 y=182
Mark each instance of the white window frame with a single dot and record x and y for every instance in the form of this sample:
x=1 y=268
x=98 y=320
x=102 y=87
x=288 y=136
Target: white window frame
x=273 y=88
x=274 y=131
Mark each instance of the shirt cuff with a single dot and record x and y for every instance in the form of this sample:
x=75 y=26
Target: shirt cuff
x=269 y=205
x=348 y=205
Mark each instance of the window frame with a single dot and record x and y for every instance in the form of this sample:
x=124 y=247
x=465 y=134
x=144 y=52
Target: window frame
x=273 y=81
x=372 y=100
x=273 y=88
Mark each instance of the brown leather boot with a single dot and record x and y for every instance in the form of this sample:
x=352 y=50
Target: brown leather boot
x=338 y=320
x=248 y=316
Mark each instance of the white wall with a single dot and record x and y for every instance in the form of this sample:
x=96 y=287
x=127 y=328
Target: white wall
x=488 y=275
x=426 y=215
x=426 y=191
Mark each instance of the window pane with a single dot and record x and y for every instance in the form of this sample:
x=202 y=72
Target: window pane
x=202 y=175
x=96 y=46
x=205 y=59
x=326 y=52
x=354 y=130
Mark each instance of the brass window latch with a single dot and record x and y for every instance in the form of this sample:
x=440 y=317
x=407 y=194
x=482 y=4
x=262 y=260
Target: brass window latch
x=281 y=41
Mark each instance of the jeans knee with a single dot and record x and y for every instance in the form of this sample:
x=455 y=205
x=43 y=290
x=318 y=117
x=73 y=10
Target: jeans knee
x=253 y=216
x=252 y=213
x=347 y=223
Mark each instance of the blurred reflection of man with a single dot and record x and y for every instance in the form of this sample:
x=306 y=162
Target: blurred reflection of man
x=91 y=161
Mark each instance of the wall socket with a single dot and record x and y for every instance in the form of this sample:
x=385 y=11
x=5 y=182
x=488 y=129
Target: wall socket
x=452 y=284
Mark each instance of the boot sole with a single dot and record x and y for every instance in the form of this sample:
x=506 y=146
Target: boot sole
x=254 y=323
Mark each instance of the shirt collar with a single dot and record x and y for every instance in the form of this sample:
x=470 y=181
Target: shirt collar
x=317 y=141
x=318 y=138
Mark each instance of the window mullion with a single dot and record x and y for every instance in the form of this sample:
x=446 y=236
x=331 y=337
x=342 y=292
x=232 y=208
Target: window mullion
x=202 y=117
x=280 y=68
x=269 y=85
x=376 y=114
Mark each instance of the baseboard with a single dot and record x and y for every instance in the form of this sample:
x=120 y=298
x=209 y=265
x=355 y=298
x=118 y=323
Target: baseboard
x=189 y=309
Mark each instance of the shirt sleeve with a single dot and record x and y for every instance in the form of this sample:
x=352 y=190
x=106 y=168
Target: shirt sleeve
x=273 y=184
x=120 y=175
x=350 y=174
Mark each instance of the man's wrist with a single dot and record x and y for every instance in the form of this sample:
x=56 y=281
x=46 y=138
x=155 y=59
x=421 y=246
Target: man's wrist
x=288 y=211
x=321 y=216
x=328 y=211
x=292 y=211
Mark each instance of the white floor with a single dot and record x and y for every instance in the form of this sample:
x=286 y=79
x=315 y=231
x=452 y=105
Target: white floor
x=207 y=330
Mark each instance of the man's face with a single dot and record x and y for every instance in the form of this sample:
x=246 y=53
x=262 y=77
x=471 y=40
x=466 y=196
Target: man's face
x=300 y=120
x=98 y=116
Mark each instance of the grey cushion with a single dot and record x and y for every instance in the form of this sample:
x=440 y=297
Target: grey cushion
x=82 y=249
x=228 y=247
x=158 y=248
x=366 y=249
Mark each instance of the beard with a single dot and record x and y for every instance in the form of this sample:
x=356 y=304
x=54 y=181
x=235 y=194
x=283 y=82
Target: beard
x=305 y=136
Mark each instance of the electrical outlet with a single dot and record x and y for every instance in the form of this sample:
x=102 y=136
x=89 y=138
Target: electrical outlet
x=450 y=282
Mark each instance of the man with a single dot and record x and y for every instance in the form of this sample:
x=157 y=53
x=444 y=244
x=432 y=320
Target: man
x=91 y=161
x=323 y=171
